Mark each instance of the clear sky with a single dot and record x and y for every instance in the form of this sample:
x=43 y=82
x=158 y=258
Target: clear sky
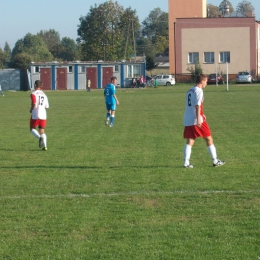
x=19 y=17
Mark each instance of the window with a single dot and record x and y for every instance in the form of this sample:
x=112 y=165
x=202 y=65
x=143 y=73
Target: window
x=70 y=68
x=209 y=57
x=116 y=68
x=37 y=69
x=133 y=71
x=82 y=69
x=193 y=57
x=129 y=71
x=137 y=70
x=224 y=57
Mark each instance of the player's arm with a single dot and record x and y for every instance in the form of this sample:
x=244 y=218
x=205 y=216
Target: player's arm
x=198 y=115
x=47 y=104
x=117 y=102
x=33 y=102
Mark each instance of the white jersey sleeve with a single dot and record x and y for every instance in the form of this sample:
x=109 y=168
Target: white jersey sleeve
x=41 y=103
x=194 y=97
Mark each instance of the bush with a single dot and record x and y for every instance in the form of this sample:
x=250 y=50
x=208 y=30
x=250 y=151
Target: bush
x=195 y=70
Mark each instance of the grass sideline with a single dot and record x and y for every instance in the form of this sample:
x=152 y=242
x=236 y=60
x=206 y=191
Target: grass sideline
x=121 y=192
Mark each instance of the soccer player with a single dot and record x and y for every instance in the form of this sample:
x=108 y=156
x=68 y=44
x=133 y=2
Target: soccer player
x=1 y=91
x=39 y=103
x=195 y=124
x=111 y=101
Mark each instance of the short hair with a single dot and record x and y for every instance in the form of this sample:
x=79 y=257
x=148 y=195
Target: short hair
x=200 y=77
x=38 y=83
x=113 y=78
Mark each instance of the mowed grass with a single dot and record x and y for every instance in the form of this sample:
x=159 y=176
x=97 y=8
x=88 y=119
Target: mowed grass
x=121 y=192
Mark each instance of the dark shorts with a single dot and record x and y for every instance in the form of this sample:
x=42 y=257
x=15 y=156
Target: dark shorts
x=194 y=132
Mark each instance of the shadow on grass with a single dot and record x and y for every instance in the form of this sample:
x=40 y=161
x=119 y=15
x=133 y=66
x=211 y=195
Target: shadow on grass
x=87 y=167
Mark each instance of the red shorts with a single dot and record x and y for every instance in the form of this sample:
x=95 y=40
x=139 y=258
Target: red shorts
x=194 y=132
x=37 y=122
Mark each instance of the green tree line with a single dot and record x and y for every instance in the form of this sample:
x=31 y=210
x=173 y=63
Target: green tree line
x=107 y=32
x=242 y=7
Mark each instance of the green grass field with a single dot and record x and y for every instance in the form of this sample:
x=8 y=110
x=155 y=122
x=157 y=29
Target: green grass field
x=121 y=192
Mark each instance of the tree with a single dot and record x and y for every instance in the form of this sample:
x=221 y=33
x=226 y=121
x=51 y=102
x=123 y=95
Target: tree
x=52 y=41
x=155 y=29
x=213 y=10
x=146 y=47
x=223 y=4
x=161 y=44
x=31 y=46
x=21 y=61
x=104 y=30
x=156 y=24
x=130 y=28
x=5 y=56
x=69 y=49
x=2 y=59
x=8 y=53
x=150 y=63
x=245 y=6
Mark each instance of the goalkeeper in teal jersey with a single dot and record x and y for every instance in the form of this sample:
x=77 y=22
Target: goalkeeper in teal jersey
x=111 y=101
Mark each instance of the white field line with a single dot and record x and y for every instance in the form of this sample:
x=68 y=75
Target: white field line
x=69 y=196
x=92 y=98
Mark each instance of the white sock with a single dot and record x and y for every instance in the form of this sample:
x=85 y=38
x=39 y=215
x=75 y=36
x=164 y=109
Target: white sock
x=35 y=133
x=187 y=154
x=44 y=140
x=213 y=153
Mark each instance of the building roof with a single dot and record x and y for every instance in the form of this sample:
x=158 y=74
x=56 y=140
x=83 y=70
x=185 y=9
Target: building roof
x=163 y=65
x=69 y=63
x=235 y=14
x=162 y=59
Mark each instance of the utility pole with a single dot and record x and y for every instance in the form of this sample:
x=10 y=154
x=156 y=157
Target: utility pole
x=127 y=39
x=134 y=39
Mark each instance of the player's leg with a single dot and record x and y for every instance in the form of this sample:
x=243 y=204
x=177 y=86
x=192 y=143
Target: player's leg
x=1 y=91
x=213 y=151
x=187 y=152
x=43 y=143
x=33 y=125
x=42 y=127
x=112 y=118
x=108 y=113
x=34 y=132
x=113 y=113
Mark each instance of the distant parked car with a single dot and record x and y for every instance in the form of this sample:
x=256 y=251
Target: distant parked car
x=244 y=77
x=212 y=79
x=165 y=80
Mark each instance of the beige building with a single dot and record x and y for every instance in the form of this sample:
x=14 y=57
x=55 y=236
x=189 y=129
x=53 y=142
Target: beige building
x=182 y=9
x=224 y=43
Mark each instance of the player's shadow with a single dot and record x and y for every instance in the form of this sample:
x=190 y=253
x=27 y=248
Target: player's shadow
x=50 y=167
x=83 y=167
